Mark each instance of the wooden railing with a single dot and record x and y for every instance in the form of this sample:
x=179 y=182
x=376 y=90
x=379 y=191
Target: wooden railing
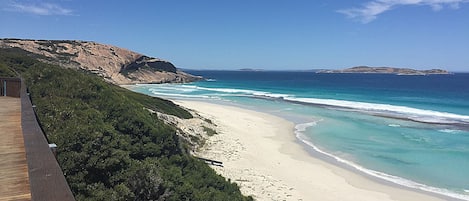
x=10 y=87
x=47 y=181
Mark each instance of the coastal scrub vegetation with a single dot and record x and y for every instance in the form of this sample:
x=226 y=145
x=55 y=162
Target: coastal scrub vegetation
x=110 y=146
x=6 y=72
x=209 y=131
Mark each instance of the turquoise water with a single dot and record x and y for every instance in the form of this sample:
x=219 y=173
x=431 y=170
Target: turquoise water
x=410 y=130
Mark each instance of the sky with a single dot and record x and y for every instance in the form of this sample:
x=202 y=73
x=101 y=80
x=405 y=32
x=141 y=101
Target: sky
x=259 y=34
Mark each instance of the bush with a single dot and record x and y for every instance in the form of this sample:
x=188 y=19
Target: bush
x=110 y=146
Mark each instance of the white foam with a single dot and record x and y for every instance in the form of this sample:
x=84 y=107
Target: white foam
x=173 y=89
x=300 y=128
x=183 y=95
x=450 y=131
x=421 y=115
x=189 y=86
x=245 y=92
x=394 y=125
x=229 y=90
x=304 y=126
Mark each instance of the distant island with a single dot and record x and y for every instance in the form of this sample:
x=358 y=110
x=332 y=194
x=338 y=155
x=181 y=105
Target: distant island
x=250 y=69
x=387 y=70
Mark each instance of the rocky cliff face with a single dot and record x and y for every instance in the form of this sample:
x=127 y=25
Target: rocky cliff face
x=114 y=64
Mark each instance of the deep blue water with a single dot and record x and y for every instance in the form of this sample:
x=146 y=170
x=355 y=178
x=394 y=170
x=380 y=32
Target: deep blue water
x=411 y=130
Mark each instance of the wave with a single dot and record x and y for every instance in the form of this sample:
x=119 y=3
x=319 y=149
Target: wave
x=183 y=95
x=299 y=132
x=304 y=126
x=173 y=88
x=241 y=92
x=450 y=131
x=387 y=110
x=378 y=109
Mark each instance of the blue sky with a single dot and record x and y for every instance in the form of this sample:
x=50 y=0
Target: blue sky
x=274 y=34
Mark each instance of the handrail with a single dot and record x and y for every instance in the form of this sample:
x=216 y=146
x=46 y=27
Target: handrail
x=47 y=181
x=10 y=87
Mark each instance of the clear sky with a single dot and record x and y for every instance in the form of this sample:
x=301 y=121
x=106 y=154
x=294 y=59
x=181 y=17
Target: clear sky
x=265 y=34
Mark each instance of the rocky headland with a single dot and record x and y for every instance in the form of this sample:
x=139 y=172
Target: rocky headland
x=386 y=70
x=116 y=65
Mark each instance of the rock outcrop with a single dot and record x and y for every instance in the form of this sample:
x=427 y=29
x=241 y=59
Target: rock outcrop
x=114 y=64
x=386 y=70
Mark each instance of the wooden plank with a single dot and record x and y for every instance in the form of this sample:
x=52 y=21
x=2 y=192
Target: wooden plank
x=14 y=180
x=210 y=161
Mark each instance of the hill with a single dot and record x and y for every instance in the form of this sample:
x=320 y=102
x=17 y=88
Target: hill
x=114 y=64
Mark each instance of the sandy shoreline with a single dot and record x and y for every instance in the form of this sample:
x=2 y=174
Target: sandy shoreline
x=260 y=152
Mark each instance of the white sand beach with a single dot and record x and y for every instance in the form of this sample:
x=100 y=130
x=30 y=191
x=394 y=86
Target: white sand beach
x=260 y=152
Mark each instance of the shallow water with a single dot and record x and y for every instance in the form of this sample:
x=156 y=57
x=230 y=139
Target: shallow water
x=411 y=130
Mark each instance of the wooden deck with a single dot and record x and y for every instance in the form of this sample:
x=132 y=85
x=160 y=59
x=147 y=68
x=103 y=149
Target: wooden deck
x=28 y=168
x=14 y=179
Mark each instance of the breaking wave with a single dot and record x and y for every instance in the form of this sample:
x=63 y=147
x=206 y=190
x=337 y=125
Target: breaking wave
x=378 y=109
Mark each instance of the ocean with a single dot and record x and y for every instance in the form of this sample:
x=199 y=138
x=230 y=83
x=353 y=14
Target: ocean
x=409 y=130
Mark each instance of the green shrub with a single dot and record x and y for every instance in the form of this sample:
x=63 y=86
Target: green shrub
x=209 y=131
x=110 y=147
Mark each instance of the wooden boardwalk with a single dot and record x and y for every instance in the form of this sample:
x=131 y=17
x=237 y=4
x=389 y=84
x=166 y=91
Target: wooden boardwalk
x=14 y=179
x=28 y=168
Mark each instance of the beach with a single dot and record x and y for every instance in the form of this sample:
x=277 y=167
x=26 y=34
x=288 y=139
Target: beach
x=261 y=154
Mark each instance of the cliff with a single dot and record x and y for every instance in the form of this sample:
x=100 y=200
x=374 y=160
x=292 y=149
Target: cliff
x=114 y=64
x=386 y=70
